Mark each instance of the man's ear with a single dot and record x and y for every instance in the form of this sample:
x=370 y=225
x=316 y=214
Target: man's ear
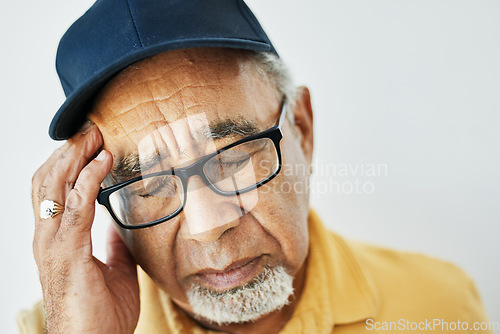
x=303 y=117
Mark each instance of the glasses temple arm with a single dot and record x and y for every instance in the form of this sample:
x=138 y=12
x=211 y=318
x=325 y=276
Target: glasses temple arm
x=283 y=114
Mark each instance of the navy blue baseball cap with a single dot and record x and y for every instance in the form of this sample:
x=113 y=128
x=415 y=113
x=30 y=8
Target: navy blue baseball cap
x=113 y=34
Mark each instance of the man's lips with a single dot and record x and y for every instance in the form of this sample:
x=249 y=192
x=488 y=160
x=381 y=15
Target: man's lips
x=236 y=274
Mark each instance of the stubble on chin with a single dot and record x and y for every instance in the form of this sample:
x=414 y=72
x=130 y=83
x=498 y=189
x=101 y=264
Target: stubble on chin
x=268 y=292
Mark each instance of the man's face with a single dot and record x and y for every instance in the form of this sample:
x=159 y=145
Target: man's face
x=159 y=98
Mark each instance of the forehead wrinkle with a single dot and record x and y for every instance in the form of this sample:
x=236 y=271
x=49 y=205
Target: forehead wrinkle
x=153 y=100
x=157 y=96
x=135 y=75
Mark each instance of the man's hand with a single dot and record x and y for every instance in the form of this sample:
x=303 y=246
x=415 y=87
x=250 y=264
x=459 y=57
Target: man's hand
x=81 y=294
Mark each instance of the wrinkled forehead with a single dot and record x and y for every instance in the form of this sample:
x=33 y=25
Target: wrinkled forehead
x=183 y=104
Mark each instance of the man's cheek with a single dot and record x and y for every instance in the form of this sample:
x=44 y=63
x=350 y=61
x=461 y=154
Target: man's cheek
x=150 y=249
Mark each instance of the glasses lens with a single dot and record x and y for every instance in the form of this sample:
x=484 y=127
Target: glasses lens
x=242 y=166
x=147 y=200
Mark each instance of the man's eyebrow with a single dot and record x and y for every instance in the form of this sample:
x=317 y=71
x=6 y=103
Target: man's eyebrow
x=131 y=165
x=230 y=127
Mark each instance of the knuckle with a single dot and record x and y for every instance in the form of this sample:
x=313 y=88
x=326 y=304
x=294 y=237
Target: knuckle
x=74 y=202
x=41 y=192
x=86 y=173
x=41 y=183
x=85 y=182
x=35 y=179
x=59 y=168
x=69 y=184
x=79 y=211
x=39 y=176
x=51 y=175
x=72 y=212
x=64 y=155
x=82 y=188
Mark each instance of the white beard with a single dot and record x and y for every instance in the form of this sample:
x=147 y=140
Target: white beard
x=268 y=292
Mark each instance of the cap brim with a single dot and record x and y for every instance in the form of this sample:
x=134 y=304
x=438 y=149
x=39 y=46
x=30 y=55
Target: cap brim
x=72 y=114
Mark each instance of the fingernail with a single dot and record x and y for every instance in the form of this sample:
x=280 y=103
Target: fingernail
x=86 y=127
x=100 y=156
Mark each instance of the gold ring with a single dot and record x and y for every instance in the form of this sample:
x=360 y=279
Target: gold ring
x=50 y=209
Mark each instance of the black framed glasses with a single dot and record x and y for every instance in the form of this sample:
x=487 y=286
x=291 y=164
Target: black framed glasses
x=154 y=198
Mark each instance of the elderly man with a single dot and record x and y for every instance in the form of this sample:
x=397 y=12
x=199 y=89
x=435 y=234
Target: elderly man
x=186 y=118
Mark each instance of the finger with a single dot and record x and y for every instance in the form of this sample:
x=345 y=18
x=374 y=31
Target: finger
x=68 y=165
x=52 y=181
x=59 y=180
x=118 y=255
x=79 y=209
x=62 y=151
x=38 y=190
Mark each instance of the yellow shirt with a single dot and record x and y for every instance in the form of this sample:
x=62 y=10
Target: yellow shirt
x=350 y=287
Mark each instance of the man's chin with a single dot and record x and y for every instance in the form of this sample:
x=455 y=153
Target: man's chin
x=268 y=292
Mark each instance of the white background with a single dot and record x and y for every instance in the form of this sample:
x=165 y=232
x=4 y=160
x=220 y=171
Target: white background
x=413 y=85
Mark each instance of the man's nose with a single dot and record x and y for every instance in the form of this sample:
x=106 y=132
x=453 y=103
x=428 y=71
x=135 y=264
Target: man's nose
x=207 y=215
